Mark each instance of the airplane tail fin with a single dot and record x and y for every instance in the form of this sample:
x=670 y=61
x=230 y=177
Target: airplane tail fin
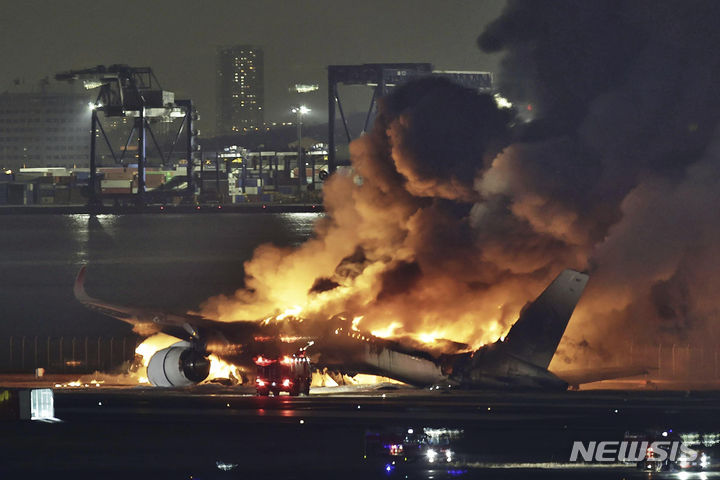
x=536 y=334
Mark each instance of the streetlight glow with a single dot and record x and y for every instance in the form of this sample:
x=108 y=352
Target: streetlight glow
x=301 y=110
x=304 y=88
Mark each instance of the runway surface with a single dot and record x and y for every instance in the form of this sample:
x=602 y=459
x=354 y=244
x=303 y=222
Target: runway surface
x=211 y=431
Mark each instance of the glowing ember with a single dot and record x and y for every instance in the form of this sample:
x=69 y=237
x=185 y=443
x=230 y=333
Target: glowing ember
x=80 y=383
x=290 y=312
x=428 y=337
x=74 y=383
x=363 y=379
x=324 y=379
x=321 y=379
x=290 y=339
x=221 y=369
x=388 y=331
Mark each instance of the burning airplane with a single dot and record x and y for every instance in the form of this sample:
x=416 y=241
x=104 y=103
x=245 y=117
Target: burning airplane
x=419 y=244
x=520 y=360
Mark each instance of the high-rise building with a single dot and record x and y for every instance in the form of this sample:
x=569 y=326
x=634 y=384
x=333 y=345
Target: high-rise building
x=240 y=89
x=43 y=128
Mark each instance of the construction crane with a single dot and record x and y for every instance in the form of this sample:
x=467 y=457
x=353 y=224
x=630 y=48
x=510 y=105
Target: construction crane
x=134 y=92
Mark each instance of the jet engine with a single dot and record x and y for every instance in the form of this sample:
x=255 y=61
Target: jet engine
x=178 y=365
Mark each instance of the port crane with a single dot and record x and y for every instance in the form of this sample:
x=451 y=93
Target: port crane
x=126 y=91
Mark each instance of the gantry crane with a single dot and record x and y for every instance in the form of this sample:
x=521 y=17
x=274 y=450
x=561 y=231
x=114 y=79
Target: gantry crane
x=382 y=77
x=134 y=92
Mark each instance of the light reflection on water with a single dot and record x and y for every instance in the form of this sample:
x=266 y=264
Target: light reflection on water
x=82 y=226
x=27 y=240
x=174 y=261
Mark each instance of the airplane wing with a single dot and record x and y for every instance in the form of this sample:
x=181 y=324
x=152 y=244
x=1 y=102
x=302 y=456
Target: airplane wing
x=132 y=315
x=147 y=321
x=574 y=378
x=185 y=363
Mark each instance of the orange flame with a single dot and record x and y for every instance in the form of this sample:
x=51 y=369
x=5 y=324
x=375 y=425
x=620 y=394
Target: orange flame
x=219 y=369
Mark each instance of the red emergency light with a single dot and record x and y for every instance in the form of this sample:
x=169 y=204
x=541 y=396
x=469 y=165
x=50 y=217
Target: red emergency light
x=264 y=362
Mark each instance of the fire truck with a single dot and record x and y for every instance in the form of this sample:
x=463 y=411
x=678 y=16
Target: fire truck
x=287 y=373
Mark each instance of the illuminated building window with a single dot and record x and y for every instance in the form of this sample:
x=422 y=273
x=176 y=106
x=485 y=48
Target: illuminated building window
x=240 y=96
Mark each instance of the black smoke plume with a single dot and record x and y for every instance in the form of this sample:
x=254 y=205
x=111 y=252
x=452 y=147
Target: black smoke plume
x=622 y=159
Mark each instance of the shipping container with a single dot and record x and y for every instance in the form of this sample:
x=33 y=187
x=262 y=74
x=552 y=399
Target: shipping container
x=126 y=190
x=154 y=181
x=76 y=196
x=16 y=193
x=250 y=182
x=64 y=180
x=62 y=194
x=124 y=183
x=45 y=190
x=119 y=175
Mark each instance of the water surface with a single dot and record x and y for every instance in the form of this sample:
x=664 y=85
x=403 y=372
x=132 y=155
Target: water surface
x=170 y=261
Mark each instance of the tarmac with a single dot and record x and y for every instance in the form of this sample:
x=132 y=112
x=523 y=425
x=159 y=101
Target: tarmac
x=216 y=431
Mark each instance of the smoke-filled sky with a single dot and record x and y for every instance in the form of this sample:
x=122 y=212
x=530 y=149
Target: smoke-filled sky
x=464 y=214
x=623 y=168
x=178 y=39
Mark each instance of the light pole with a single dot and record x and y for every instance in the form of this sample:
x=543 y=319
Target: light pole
x=299 y=112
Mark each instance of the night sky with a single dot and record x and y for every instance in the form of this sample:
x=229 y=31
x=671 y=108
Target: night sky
x=178 y=40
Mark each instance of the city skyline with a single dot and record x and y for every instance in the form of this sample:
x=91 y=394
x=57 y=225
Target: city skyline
x=179 y=40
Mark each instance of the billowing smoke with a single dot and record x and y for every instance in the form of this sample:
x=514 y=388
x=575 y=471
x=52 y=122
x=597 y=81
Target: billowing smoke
x=397 y=246
x=621 y=165
x=460 y=212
